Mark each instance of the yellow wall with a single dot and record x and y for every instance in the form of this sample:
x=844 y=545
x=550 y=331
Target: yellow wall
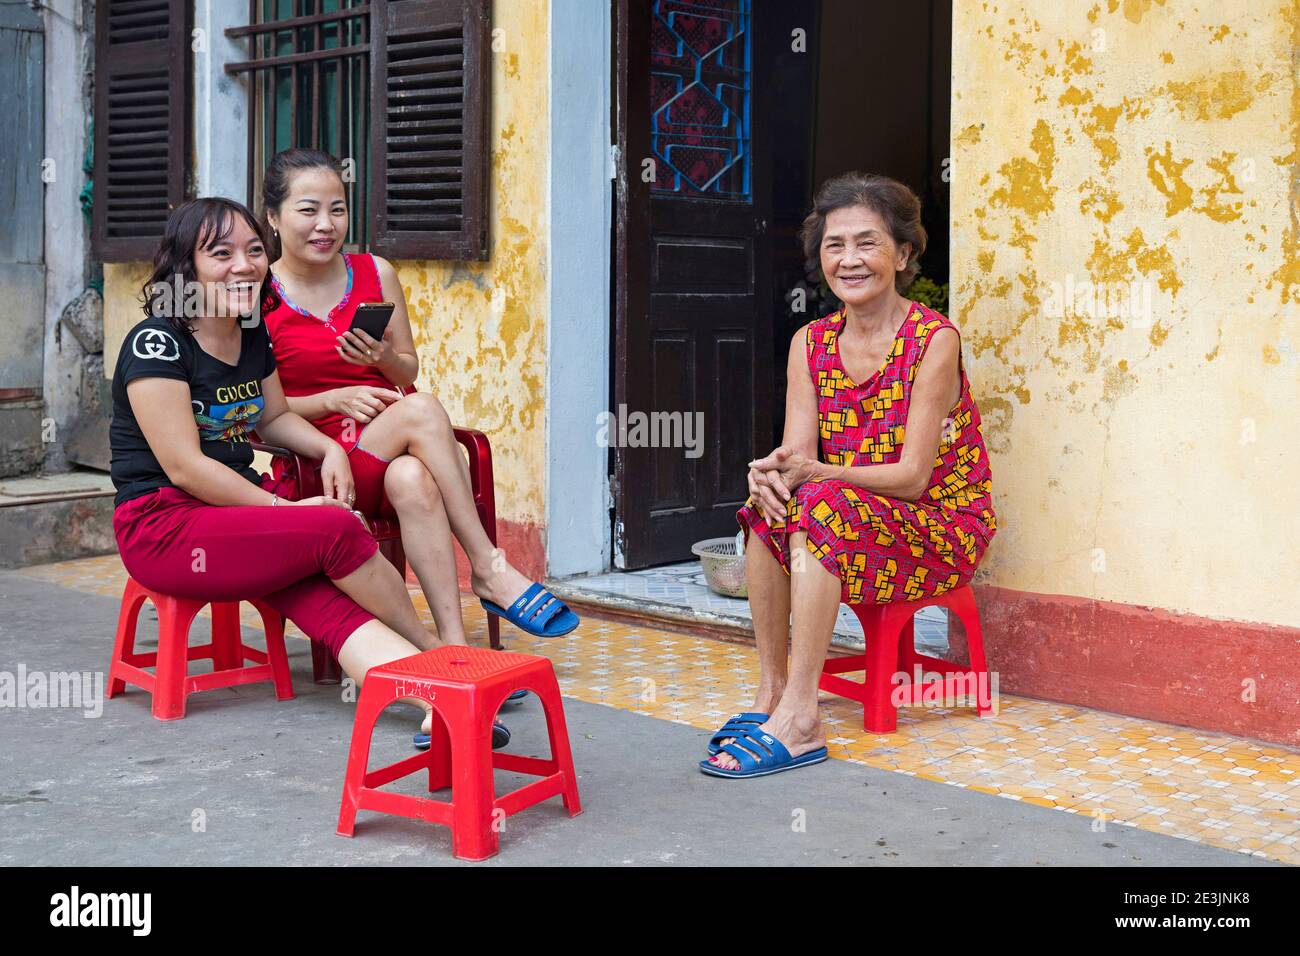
x=1150 y=141
x=480 y=327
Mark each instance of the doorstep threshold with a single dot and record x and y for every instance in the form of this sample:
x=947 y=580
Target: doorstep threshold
x=648 y=611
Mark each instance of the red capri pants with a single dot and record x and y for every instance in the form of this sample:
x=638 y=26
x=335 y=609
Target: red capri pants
x=175 y=544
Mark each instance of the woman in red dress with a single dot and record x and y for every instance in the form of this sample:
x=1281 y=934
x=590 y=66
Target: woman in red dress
x=846 y=510
x=357 y=390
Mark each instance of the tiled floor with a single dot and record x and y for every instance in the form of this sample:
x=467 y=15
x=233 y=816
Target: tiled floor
x=1119 y=771
x=682 y=586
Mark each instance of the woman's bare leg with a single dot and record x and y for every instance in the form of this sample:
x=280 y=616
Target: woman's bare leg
x=769 y=604
x=426 y=538
x=815 y=604
x=418 y=425
x=378 y=588
x=372 y=644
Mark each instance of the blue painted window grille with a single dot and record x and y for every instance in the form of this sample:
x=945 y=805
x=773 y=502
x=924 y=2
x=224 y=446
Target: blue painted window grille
x=700 y=98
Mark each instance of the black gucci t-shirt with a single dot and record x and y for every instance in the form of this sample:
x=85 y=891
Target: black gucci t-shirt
x=226 y=399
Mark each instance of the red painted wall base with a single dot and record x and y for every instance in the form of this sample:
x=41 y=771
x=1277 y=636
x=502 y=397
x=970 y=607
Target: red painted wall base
x=522 y=544
x=1229 y=676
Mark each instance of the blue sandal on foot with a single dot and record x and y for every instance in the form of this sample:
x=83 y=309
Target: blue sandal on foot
x=500 y=737
x=760 y=755
x=537 y=612
x=737 y=725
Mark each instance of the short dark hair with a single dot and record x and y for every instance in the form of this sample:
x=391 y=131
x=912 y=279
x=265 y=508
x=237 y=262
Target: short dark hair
x=280 y=172
x=891 y=200
x=206 y=220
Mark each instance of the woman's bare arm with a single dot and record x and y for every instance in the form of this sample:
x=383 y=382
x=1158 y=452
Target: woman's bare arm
x=801 y=435
x=404 y=368
x=311 y=407
x=281 y=425
x=802 y=431
x=162 y=409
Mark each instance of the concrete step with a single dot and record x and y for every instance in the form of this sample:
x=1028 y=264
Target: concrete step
x=55 y=517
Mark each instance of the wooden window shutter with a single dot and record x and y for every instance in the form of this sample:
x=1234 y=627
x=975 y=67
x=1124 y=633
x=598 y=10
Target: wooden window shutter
x=430 y=94
x=142 y=141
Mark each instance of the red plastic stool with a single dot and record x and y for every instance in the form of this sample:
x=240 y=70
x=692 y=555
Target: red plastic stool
x=465 y=686
x=170 y=684
x=891 y=650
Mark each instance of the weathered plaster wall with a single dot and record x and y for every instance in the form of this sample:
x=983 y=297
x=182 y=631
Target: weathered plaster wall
x=1146 y=457
x=123 y=305
x=480 y=327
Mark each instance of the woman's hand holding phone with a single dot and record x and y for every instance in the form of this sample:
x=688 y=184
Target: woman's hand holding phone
x=356 y=347
x=361 y=402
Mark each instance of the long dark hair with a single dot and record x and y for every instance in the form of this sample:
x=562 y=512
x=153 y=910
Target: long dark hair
x=208 y=221
x=279 y=173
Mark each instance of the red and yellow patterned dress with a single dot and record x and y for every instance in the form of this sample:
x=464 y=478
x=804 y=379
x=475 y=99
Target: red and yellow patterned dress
x=886 y=549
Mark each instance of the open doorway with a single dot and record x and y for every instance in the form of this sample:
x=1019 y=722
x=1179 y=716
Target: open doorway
x=874 y=97
x=739 y=109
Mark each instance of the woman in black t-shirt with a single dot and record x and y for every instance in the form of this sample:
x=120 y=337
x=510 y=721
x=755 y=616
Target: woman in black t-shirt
x=192 y=517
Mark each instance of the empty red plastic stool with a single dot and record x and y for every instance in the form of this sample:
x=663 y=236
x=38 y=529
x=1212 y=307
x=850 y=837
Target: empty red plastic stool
x=891 y=650
x=465 y=686
x=170 y=683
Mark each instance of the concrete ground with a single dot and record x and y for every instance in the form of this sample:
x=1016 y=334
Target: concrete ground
x=246 y=780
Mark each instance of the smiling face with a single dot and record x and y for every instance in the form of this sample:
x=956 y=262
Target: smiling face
x=231 y=268
x=313 y=219
x=859 y=257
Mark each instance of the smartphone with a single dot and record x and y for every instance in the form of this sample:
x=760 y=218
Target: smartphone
x=372 y=318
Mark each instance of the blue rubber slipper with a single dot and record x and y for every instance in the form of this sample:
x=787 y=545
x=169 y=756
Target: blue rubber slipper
x=737 y=725
x=517 y=695
x=762 y=754
x=537 y=612
x=500 y=737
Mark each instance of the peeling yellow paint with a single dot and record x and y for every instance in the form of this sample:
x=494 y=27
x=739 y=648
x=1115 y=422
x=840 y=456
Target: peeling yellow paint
x=1134 y=10
x=1028 y=184
x=480 y=327
x=1214 y=96
x=1288 y=271
x=1143 y=163
x=1166 y=174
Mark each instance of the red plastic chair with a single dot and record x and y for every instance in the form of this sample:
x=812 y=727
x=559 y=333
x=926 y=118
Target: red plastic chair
x=387 y=531
x=891 y=650
x=465 y=686
x=171 y=683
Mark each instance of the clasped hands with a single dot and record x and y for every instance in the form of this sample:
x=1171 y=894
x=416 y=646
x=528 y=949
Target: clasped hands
x=774 y=479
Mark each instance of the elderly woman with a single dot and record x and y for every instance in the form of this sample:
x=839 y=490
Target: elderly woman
x=845 y=510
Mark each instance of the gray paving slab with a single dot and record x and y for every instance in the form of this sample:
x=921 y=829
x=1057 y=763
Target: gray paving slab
x=246 y=780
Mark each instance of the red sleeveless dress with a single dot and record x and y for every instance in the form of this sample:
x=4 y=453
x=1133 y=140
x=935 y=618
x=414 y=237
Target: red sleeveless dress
x=304 y=354
x=887 y=549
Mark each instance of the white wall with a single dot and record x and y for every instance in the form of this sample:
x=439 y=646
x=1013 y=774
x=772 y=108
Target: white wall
x=579 y=202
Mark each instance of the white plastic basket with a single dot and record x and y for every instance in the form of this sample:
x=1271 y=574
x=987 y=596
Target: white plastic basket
x=724 y=566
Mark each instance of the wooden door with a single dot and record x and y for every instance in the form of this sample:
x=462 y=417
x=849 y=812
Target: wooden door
x=693 y=314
